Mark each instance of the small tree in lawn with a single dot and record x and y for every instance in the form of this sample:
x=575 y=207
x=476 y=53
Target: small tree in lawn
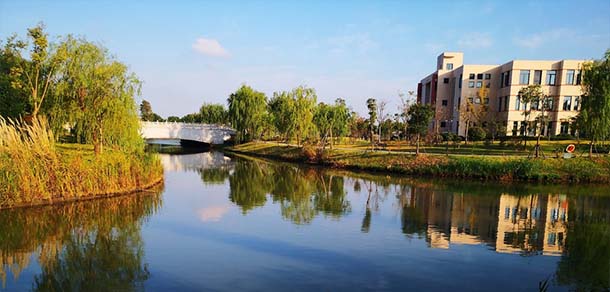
x=471 y=112
x=371 y=104
x=405 y=104
x=529 y=96
x=420 y=116
x=594 y=117
x=381 y=118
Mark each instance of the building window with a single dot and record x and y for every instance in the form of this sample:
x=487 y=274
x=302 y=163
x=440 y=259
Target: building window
x=471 y=100
x=486 y=100
x=460 y=84
x=449 y=66
x=570 y=77
x=500 y=104
x=477 y=100
x=443 y=124
x=470 y=84
x=446 y=80
x=487 y=76
x=517 y=103
x=538 y=77
x=479 y=84
x=549 y=103
x=576 y=103
x=564 y=129
x=551 y=77
x=515 y=129
x=444 y=102
x=502 y=80
x=524 y=77
x=567 y=103
x=578 y=77
x=479 y=76
x=506 y=100
x=471 y=76
x=507 y=78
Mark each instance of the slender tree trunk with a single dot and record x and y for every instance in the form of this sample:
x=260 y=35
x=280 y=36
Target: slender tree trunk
x=591 y=149
x=417 y=145
x=331 y=139
x=97 y=141
x=537 y=152
x=466 y=133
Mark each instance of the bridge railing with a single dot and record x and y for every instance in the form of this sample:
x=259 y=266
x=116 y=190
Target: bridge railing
x=188 y=125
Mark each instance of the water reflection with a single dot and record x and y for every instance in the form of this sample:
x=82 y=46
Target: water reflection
x=524 y=220
x=84 y=246
x=230 y=221
x=301 y=193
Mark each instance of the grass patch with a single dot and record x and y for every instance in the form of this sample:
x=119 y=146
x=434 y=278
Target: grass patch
x=34 y=170
x=500 y=168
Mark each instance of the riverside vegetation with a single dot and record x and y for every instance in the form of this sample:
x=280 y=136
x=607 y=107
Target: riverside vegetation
x=74 y=84
x=36 y=170
x=478 y=167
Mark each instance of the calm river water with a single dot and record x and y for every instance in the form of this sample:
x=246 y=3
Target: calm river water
x=227 y=223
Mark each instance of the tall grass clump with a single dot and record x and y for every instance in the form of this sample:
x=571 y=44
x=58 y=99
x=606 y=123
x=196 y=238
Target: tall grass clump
x=33 y=170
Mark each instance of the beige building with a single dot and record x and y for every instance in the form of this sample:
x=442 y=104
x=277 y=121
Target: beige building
x=455 y=86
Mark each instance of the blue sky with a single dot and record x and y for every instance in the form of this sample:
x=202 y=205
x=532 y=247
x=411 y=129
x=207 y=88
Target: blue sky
x=191 y=52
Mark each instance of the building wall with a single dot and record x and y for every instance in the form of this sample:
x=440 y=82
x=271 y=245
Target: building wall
x=442 y=90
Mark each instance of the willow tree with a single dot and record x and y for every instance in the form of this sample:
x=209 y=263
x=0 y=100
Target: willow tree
x=304 y=105
x=98 y=92
x=594 y=117
x=213 y=114
x=281 y=109
x=37 y=75
x=247 y=111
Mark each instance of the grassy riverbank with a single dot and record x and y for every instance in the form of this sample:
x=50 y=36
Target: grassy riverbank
x=35 y=170
x=457 y=166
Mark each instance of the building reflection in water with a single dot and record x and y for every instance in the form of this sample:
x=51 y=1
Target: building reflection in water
x=526 y=224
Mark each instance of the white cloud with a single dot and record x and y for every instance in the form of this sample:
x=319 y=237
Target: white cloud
x=475 y=41
x=536 y=40
x=210 y=47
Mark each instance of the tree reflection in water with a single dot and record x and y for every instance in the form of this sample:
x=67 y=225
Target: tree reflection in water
x=88 y=245
x=302 y=193
x=525 y=220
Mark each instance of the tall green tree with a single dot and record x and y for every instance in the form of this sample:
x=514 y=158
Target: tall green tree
x=331 y=121
x=282 y=111
x=213 y=114
x=97 y=92
x=420 y=116
x=13 y=101
x=371 y=104
x=37 y=75
x=146 y=112
x=304 y=104
x=594 y=116
x=247 y=112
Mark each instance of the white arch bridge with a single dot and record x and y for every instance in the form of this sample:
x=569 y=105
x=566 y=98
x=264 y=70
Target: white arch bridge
x=204 y=133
